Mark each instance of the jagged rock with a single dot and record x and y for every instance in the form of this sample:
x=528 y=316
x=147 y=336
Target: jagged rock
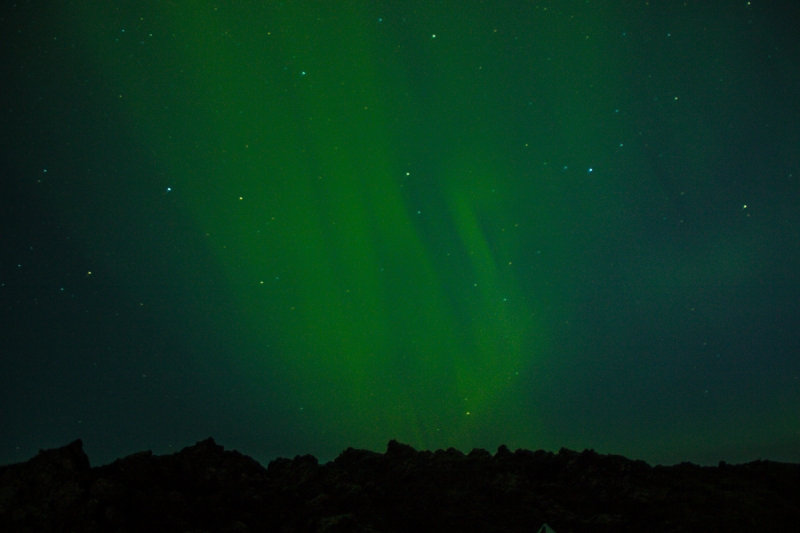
x=54 y=483
x=205 y=488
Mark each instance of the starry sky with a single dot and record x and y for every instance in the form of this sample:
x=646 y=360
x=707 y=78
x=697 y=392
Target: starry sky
x=302 y=226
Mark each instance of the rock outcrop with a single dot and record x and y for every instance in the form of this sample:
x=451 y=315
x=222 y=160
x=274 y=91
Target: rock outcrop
x=205 y=488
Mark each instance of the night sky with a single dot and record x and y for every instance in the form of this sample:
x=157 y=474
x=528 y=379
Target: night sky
x=298 y=227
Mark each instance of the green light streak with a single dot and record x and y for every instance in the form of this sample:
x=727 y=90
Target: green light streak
x=286 y=156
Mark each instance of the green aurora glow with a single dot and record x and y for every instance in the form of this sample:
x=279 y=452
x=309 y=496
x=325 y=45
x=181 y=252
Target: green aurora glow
x=416 y=209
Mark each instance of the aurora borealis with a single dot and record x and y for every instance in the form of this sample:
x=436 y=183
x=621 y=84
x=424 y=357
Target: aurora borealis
x=302 y=226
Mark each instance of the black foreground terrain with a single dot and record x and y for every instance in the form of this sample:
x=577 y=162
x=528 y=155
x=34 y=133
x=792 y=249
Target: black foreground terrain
x=204 y=488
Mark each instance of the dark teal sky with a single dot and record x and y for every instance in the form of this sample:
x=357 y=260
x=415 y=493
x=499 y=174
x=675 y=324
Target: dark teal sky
x=302 y=226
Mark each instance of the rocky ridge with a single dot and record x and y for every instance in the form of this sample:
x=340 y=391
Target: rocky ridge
x=206 y=488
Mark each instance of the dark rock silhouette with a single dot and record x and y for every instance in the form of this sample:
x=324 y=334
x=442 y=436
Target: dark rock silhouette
x=205 y=488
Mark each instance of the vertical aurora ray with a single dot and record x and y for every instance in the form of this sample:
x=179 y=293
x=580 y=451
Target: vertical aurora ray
x=371 y=234
x=404 y=355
